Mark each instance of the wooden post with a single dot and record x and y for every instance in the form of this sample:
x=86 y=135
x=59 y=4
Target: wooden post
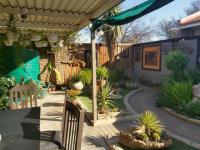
x=94 y=79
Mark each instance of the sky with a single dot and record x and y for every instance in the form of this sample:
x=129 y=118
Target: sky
x=175 y=9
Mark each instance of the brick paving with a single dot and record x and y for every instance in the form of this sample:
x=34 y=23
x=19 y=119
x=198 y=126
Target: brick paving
x=145 y=100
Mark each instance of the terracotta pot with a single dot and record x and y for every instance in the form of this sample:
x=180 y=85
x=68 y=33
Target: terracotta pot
x=78 y=85
x=35 y=37
x=101 y=83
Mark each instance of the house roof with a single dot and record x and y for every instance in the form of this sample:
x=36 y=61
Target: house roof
x=190 y=19
x=60 y=15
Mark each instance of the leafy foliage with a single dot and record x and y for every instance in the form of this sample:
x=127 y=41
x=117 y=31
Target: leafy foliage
x=86 y=76
x=176 y=62
x=194 y=76
x=102 y=73
x=73 y=94
x=177 y=93
x=104 y=99
x=150 y=125
x=5 y=85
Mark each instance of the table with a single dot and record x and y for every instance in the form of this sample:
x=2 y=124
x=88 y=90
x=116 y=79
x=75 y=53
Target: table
x=19 y=130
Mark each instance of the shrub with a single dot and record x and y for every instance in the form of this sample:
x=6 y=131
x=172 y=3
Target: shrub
x=177 y=93
x=149 y=124
x=86 y=76
x=4 y=102
x=116 y=75
x=102 y=73
x=73 y=94
x=194 y=76
x=104 y=101
x=193 y=110
x=176 y=62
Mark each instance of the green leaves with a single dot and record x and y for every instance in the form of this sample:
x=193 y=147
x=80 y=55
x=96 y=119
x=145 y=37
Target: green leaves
x=104 y=98
x=178 y=93
x=176 y=61
x=149 y=122
x=102 y=73
x=86 y=76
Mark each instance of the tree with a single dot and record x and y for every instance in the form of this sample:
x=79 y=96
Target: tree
x=194 y=7
x=167 y=28
x=111 y=33
x=136 y=32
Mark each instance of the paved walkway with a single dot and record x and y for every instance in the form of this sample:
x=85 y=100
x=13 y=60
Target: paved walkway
x=145 y=100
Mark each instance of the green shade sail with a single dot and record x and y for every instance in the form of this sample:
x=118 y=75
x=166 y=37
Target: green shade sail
x=131 y=14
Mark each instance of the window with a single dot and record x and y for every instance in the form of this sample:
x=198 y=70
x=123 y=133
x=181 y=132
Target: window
x=151 y=58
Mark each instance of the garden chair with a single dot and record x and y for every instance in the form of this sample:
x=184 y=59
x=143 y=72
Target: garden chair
x=70 y=136
x=23 y=96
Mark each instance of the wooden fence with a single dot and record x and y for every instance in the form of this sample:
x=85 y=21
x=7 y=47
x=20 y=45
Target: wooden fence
x=121 y=59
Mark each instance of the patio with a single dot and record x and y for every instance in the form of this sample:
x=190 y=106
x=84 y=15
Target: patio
x=57 y=94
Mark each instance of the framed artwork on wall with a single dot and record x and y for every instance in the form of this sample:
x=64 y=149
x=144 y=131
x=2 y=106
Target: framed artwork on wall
x=151 y=58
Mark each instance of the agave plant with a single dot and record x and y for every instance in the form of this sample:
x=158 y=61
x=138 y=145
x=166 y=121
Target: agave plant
x=104 y=99
x=149 y=125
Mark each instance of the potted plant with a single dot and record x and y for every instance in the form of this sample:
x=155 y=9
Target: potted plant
x=52 y=38
x=35 y=36
x=77 y=84
x=102 y=76
x=148 y=134
x=72 y=95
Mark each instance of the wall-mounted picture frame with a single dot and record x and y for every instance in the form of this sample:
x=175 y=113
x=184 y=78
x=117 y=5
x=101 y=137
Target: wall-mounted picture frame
x=151 y=57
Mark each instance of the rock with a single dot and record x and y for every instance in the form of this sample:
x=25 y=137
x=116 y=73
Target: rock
x=196 y=100
x=196 y=90
x=128 y=140
x=115 y=147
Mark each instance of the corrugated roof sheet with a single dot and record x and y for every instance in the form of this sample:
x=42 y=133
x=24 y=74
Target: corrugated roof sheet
x=65 y=15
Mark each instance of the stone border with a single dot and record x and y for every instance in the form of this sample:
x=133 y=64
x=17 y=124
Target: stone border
x=126 y=99
x=179 y=138
x=191 y=120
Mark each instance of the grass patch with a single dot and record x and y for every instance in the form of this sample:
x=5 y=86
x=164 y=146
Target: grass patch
x=176 y=145
x=87 y=101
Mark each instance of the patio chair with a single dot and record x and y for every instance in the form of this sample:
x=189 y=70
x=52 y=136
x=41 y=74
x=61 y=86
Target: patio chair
x=70 y=137
x=23 y=96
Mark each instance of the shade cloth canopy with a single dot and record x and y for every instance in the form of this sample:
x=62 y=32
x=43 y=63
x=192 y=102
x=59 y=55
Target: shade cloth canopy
x=131 y=14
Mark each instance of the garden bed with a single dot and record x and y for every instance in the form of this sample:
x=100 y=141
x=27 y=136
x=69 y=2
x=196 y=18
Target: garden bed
x=87 y=101
x=176 y=145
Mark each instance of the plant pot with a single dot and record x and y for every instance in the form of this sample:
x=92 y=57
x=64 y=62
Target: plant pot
x=8 y=42
x=35 y=37
x=52 y=37
x=10 y=36
x=27 y=43
x=101 y=82
x=78 y=85
x=43 y=94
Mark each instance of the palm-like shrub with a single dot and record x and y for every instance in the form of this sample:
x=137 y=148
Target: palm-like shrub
x=102 y=73
x=177 y=93
x=104 y=99
x=149 y=126
x=86 y=76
